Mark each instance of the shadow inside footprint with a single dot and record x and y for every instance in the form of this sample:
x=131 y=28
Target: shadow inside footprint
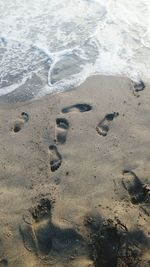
x=77 y=107
x=138 y=192
x=61 y=130
x=103 y=127
x=55 y=158
x=23 y=118
x=41 y=236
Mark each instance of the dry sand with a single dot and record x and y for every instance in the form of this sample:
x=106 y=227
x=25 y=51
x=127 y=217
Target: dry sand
x=64 y=199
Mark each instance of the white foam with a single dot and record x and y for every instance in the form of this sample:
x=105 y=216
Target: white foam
x=9 y=89
x=110 y=37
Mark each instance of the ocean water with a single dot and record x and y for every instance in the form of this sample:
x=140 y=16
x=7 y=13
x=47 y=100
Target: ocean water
x=48 y=46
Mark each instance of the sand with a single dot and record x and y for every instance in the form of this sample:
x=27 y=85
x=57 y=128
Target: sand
x=77 y=180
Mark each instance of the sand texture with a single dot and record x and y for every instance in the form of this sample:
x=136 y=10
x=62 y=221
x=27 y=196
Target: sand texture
x=74 y=178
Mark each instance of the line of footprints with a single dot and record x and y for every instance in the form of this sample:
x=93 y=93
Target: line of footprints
x=61 y=131
x=62 y=127
x=137 y=191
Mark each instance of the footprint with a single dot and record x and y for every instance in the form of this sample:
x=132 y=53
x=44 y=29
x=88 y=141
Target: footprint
x=107 y=244
x=24 y=117
x=33 y=228
x=3 y=262
x=55 y=158
x=61 y=130
x=138 y=192
x=114 y=245
x=139 y=86
x=104 y=125
x=77 y=107
x=41 y=236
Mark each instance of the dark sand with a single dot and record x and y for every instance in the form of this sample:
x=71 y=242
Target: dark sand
x=74 y=179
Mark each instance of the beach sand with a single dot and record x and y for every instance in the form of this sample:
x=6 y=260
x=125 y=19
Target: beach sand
x=74 y=178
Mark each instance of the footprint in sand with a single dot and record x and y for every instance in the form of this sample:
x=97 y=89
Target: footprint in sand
x=139 y=86
x=3 y=262
x=55 y=158
x=23 y=118
x=33 y=228
x=77 y=107
x=138 y=192
x=61 y=130
x=103 y=127
x=41 y=236
x=114 y=245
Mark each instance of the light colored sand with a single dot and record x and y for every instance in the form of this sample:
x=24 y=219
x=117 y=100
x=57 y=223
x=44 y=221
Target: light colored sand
x=89 y=178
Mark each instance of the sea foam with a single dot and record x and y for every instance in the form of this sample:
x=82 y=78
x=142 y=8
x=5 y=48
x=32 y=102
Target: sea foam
x=68 y=41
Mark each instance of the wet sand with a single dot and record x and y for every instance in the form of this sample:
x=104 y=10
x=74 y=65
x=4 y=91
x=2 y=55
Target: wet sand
x=74 y=183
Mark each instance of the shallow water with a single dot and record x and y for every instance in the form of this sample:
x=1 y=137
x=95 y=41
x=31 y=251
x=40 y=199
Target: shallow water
x=61 y=43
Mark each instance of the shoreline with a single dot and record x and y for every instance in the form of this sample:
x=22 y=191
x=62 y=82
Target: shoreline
x=73 y=156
